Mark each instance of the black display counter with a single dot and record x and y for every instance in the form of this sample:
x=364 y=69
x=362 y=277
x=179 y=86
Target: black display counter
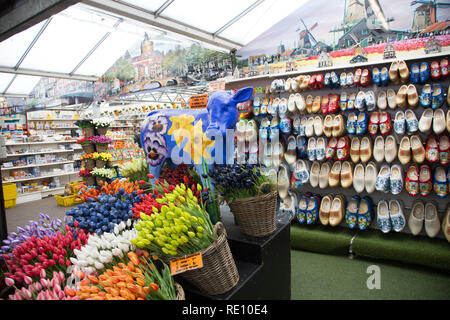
x=264 y=264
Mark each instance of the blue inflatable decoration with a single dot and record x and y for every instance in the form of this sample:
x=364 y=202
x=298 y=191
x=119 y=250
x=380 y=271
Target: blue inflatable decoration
x=192 y=136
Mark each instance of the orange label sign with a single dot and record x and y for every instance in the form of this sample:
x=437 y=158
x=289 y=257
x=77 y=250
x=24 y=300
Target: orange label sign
x=119 y=144
x=190 y=262
x=198 y=101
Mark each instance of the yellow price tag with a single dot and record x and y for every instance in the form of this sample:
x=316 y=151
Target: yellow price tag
x=186 y=263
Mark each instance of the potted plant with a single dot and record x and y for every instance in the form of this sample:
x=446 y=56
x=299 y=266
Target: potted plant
x=101 y=159
x=87 y=126
x=88 y=159
x=102 y=125
x=87 y=177
x=103 y=174
x=86 y=144
x=247 y=193
x=181 y=217
x=101 y=143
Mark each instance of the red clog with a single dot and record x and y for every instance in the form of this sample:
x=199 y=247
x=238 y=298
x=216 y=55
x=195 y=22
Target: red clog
x=374 y=122
x=444 y=67
x=325 y=103
x=312 y=81
x=385 y=123
x=334 y=103
x=435 y=70
x=432 y=150
x=319 y=81
x=365 y=78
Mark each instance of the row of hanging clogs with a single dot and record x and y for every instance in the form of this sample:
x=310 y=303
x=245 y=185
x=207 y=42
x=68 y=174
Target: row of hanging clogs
x=431 y=96
x=397 y=73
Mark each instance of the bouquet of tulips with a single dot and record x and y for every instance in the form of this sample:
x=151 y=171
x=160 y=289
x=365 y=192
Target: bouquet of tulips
x=84 y=141
x=84 y=173
x=102 y=156
x=46 y=254
x=44 y=289
x=87 y=156
x=83 y=124
x=136 y=170
x=237 y=181
x=101 y=140
x=107 y=173
x=135 y=278
x=45 y=226
x=106 y=250
x=102 y=122
x=180 y=227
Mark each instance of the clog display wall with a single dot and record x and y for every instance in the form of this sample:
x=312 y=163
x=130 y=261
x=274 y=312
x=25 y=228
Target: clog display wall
x=400 y=191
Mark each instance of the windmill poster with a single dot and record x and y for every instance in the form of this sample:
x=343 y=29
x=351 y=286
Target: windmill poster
x=318 y=26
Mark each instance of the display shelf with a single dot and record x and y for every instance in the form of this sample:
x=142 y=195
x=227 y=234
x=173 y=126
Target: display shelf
x=52 y=119
x=341 y=65
x=38 y=165
x=40 y=142
x=42 y=177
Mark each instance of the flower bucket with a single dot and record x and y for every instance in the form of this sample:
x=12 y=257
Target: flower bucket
x=101 y=147
x=100 y=180
x=100 y=163
x=90 y=181
x=89 y=164
x=88 y=148
x=88 y=132
x=256 y=216
x=101 y=131
x=219 y=273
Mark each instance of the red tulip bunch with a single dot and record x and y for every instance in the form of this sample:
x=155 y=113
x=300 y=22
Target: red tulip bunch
x=175 y=176
x=46 y=254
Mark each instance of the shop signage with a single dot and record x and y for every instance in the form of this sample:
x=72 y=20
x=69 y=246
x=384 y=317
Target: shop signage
x=198 y=101
x=119 y=144
x=186 y=263
x=216 y=85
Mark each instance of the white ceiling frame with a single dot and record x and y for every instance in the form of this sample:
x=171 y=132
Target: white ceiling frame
x=163 y=23
x=41 y=73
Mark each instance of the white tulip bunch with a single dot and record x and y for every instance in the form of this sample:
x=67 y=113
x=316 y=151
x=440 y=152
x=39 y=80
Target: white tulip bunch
x=102 y=122
x=135 y=170
x=106 y=250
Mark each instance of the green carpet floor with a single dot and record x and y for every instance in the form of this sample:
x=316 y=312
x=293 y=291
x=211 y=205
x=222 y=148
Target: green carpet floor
x=317 y=276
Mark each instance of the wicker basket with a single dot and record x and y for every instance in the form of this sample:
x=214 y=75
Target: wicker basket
x=89 y=164
x=101 y=147
x=88 y=132
x=180 y=292
x=101 y=131
x=88 y=148
x=256 y=216
x=100 y=163
x=90 y=181
x=219 y=273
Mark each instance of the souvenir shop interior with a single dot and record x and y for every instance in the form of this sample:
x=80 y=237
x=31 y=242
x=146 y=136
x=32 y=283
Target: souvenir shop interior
x=147 y=154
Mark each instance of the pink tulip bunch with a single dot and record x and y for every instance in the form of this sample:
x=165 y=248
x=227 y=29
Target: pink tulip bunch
x=44 y=289
x=47 y=254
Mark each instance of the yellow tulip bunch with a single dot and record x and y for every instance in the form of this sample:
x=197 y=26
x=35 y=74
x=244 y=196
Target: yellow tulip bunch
x=180 y=227
x=102 y=156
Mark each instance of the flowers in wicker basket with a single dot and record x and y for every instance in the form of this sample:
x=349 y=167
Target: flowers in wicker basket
x=85 y=173
x=136 y=170
x=84 y=141
x=83 y=124
x=180 y=227
x=102 y=156
x=107 y=173
x=102 y=122
x=237 y=181
x=101 y=140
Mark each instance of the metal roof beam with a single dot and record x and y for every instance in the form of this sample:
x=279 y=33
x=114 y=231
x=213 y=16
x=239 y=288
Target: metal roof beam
x=40 y=73
x=239 y=16
x=163 y=7
x=163 y=23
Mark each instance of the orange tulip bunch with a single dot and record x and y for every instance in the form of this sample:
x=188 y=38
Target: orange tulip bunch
x=137 y=278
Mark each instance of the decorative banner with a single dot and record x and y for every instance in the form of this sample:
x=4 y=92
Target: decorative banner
x=191 y=262
x=198 y=101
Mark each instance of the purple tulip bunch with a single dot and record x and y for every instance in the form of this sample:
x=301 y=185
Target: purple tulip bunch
x=102 y=140
x=45 y=226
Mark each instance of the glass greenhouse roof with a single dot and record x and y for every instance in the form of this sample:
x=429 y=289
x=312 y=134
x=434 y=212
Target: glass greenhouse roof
x=84 y=40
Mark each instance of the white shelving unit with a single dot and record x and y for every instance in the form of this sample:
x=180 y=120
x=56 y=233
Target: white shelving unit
x=52 y=166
